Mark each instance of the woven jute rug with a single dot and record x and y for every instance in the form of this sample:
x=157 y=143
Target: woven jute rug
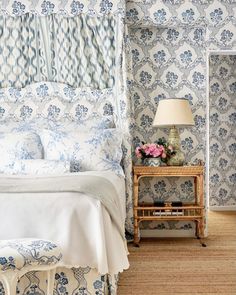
x=182 y=266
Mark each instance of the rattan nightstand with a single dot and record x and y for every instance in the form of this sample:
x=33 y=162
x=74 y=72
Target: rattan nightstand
x=188 y=211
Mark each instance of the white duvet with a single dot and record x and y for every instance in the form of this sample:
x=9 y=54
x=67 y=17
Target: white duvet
x=79 y=222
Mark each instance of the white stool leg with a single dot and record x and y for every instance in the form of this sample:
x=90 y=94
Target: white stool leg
x=51 y=280
x=9 y=280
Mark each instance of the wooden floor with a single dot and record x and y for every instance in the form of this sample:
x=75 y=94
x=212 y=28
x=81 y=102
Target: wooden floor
x=182 y=266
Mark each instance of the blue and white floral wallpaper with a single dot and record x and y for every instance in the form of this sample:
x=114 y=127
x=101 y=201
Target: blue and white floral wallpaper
x=222 y=130
x=169 y=44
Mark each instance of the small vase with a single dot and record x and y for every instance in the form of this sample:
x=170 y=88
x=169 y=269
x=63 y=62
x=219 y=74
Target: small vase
x=154 y=162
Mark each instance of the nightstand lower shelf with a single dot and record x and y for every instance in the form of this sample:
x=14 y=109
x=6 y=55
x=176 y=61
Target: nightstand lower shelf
x=187 y=212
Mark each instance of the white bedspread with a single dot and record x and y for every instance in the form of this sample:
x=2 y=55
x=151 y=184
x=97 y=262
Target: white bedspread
x=77 y=221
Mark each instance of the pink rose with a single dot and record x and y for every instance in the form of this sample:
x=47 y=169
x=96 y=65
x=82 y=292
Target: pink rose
x=145 y=148
x=157 y=152
x=161 y=147
x=137 y=152
x=150 y=149
x=163 y=155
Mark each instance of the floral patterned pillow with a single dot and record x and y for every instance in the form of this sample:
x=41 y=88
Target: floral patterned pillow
x=86 y=151
x=35 y=167
x=20 y=145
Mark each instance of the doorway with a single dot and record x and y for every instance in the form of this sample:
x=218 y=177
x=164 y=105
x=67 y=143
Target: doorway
x=221 y=130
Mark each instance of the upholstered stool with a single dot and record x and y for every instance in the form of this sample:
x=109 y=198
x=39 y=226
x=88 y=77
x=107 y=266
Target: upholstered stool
x=17 y=257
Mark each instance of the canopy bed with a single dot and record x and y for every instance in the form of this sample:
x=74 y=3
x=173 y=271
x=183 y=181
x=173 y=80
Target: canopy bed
x=65 y=172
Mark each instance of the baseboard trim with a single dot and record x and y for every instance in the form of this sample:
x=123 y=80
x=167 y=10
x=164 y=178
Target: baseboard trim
x=222 y=208
x=179 y=233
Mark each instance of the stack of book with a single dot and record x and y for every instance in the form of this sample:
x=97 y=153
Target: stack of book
x=168 y=212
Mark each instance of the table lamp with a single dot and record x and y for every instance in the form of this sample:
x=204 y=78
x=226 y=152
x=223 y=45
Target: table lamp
x=174 y=112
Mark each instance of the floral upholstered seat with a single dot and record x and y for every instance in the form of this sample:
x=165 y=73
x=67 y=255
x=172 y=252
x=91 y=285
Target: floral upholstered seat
x=17 y=254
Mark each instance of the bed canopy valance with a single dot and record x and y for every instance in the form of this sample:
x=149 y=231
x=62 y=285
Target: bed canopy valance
x=78 y=43
x=63 y=7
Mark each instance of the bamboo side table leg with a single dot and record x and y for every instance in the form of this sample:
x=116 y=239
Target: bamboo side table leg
x=196 y=229
x=200 y=185
x=136 y=224
x=196 y=192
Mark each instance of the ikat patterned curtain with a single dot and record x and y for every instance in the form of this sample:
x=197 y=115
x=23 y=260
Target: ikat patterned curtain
x=78 y=50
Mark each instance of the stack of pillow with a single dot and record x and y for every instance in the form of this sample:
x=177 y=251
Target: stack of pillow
x=87 y=141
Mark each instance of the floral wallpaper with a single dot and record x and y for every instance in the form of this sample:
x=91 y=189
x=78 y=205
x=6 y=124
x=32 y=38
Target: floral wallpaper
x=218 y=16
x=222 y=130
x=169 y=43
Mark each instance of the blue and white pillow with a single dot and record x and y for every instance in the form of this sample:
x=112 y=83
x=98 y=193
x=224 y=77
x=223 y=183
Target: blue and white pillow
x=35 y=167
x=30 y=126
x=87 y=151
x=63 y=126
x=20 y=145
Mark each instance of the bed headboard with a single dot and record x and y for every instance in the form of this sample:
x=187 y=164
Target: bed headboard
x=53 y=102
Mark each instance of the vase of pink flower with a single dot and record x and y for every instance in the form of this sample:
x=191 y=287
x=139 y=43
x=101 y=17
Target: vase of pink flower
x=154 y=154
